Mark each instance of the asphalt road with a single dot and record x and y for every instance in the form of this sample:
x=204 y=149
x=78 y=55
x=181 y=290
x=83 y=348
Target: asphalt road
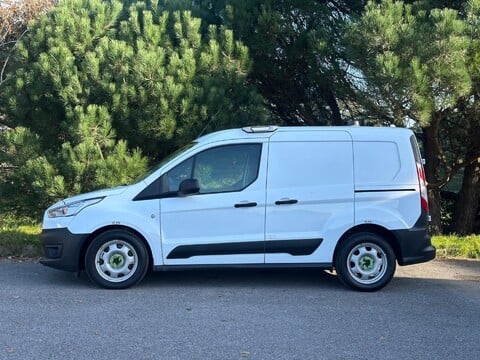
x=429 y=311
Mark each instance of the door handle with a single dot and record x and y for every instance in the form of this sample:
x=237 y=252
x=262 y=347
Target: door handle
x=286 y=202
x=245 y=204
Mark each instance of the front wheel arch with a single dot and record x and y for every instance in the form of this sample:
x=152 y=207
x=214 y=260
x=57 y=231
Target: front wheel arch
x=116 y=259
x=83 y=252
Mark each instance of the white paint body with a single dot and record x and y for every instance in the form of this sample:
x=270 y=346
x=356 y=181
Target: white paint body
x=337 y=177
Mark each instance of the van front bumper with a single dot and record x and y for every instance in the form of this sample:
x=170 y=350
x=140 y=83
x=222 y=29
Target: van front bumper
x=61 y=249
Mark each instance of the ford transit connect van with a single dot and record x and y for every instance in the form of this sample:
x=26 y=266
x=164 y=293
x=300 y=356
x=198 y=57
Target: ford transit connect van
x=353 y=199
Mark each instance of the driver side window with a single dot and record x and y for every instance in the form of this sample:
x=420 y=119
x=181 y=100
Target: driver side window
x=221 y=169
x=179 y=173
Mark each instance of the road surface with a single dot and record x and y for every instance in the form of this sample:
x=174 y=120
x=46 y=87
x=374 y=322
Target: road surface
x=428 y=311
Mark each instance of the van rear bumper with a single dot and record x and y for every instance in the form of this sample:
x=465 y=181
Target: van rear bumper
x=415 y=256
x=61 y=249
x=415 y=245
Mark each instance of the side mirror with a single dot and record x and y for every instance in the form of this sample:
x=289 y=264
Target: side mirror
x=188 y=187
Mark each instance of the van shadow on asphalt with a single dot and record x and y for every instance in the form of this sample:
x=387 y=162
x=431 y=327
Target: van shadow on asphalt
x=406 y=278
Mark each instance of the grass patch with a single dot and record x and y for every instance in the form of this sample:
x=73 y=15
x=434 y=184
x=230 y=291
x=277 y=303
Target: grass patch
x=19 y=236
x=457 y=246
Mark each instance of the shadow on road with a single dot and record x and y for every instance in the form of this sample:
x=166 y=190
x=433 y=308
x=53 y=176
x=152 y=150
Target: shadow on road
x=407 y=278
x=243 y=277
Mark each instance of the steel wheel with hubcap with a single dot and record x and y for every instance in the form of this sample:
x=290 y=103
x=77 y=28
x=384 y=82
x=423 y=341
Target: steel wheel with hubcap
x=116 y=259
x=365 y=261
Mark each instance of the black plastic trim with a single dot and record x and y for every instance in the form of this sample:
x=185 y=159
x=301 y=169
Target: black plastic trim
x=286 y=202
x=242 y=205
x=244 y=266
x=415 y=243
x=383 y=190
x=152 y=191
x=61 y=249
x=292 y=247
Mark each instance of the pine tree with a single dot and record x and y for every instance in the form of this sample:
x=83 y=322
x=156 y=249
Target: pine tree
x=15 y=15
x=300 y=64
x=413 y=59
x=162 y=79
x=467 y=206
x=93 y=76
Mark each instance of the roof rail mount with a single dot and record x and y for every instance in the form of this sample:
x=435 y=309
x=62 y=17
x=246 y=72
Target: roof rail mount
x=260 y=129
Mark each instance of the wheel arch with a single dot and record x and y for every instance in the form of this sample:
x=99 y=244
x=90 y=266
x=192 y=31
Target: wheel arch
x=83 y=251
x=372 y=228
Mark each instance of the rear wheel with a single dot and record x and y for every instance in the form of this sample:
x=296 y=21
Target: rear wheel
x=116 y=259
x=365 y=262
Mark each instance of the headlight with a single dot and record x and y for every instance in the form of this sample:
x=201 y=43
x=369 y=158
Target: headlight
x=73 y=208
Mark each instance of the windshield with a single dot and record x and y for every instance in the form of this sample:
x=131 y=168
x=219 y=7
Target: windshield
x=164 y=161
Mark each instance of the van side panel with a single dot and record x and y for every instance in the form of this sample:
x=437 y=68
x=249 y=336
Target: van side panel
x=386 y=183
x=379 y=163
x=309 y=195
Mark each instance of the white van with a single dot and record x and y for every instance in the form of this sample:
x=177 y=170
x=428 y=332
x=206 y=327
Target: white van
x=352 y=199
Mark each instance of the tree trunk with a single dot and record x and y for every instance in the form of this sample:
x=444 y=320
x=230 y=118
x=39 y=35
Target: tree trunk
x=466 y=207
x=333 y=104
x=435 y=206
x=432 y=151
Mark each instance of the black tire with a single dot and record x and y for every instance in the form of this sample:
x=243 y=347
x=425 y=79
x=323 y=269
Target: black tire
x=116 y=259
x=365 y=262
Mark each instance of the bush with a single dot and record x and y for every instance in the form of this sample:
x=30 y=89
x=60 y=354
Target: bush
x=19 y=236
x=458 y=246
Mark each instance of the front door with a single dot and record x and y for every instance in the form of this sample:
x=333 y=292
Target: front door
x=224 y=223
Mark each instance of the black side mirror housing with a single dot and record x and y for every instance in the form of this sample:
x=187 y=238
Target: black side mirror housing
x=189 y=187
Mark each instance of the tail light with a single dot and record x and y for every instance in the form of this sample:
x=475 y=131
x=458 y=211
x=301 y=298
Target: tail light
x=422 y=182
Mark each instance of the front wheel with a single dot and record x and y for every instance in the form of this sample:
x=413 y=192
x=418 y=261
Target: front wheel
x=365 y=262
x=116 y=259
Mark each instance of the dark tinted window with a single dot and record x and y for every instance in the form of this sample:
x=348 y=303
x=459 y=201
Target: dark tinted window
x=416 y=150
x=220 y=169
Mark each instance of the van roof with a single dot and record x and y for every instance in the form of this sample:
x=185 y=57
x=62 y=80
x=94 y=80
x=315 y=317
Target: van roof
x=356 y=132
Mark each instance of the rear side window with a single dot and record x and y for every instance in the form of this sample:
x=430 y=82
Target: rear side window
x=416 y=150
x=376 y=162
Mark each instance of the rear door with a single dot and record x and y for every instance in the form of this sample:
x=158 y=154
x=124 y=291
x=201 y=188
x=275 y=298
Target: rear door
x=310 y=195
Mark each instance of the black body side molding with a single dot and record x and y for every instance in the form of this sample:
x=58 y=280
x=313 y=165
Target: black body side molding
x=292 y=247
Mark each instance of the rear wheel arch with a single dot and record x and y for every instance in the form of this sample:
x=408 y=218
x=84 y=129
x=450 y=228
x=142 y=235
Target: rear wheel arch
x=365 y=258
x=365 y=261
x=370 y=228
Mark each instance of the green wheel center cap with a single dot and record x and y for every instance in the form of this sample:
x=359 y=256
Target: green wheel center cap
x=116 y=261
x=367 y=262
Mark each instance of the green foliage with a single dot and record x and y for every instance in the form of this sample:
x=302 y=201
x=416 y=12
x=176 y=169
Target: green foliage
x=448 y=206
x=19 y=189
x=299 y=59
x=19 y=236
x=299 y=56
x=162 y=80
x=412 y=57
x=42 y=177
x=457 y=246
